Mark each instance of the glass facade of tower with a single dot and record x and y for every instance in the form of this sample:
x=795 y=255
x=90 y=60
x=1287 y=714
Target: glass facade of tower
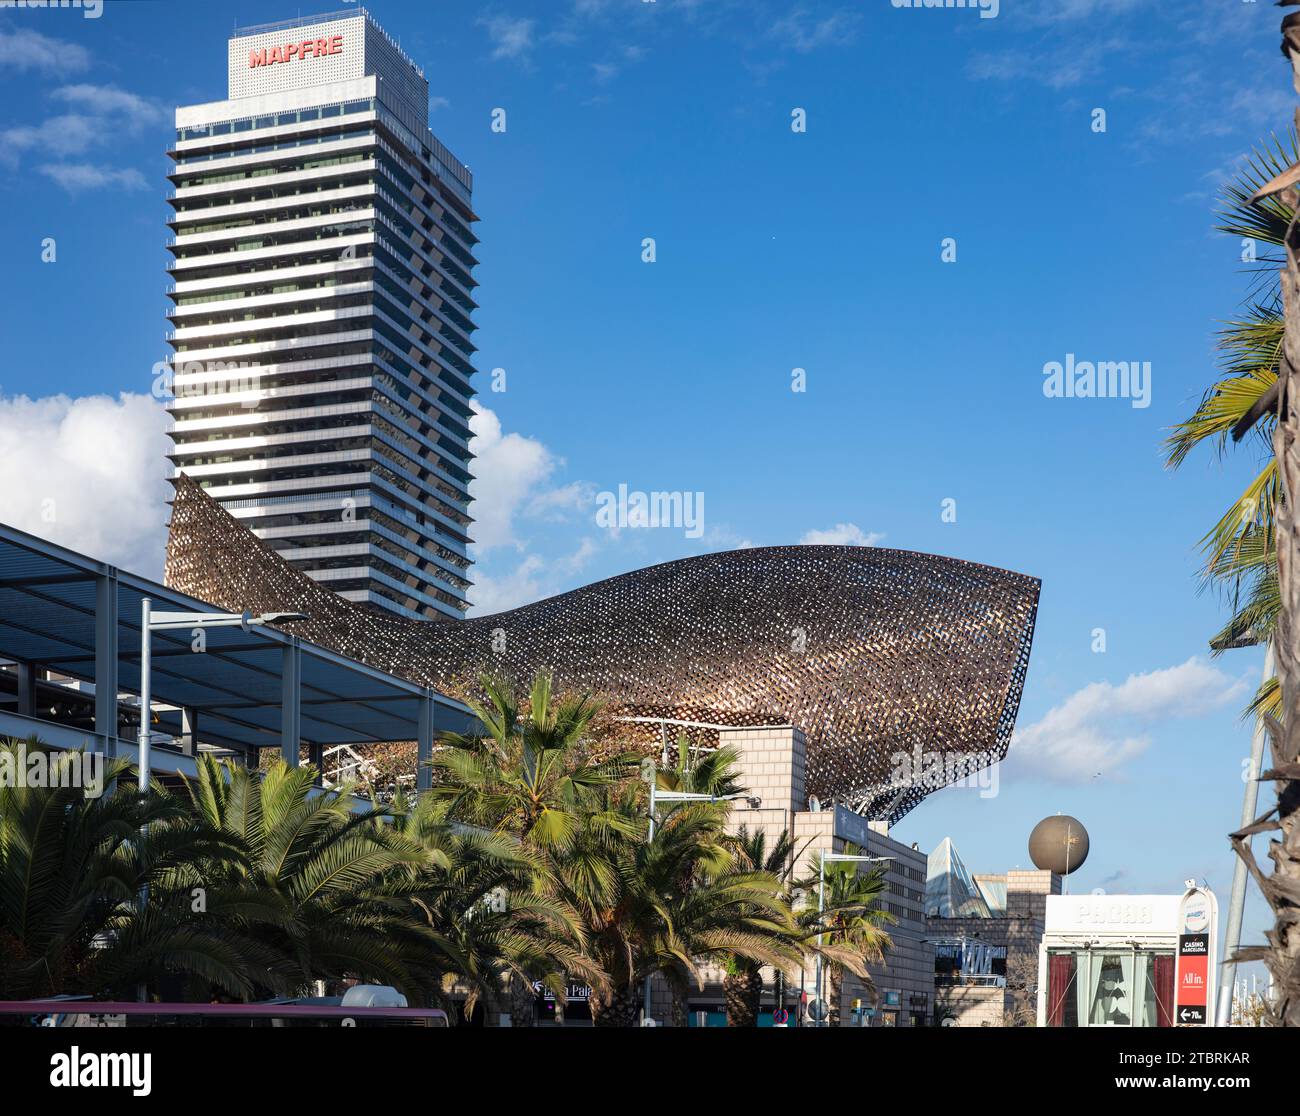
x=323 y=257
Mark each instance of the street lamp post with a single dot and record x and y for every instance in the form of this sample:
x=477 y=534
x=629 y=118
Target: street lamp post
x=821 y=907
x=151 y=622
x=657 y=796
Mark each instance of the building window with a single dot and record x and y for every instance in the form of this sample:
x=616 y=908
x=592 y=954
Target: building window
x=1119 y=987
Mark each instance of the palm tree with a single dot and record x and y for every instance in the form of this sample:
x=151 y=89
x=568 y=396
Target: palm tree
x=668 y=904
x=732 y=914
x=641 y=906
x=1240 y=549
x=529 y=775
x=491 y=928
x=1255 y=545
x=742 y=987
x=714 y=771
x=337 y=883
x=1282 y=889
x=849 y=933
x=72 y=871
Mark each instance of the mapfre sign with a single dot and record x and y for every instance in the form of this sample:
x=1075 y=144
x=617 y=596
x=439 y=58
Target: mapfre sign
x=308 y=48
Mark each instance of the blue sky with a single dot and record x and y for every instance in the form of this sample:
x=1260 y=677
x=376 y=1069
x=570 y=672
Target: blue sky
x=775 y=250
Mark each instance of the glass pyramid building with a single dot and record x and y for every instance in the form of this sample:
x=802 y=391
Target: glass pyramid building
x=952 y=892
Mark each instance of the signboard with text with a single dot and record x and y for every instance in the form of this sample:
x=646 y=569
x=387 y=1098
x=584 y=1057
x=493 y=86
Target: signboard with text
x=1194 y=977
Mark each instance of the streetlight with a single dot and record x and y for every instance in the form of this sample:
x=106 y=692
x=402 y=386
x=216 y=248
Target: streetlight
x=650 y=775
x=821 y=905
x=151 y=622
x=658 y=796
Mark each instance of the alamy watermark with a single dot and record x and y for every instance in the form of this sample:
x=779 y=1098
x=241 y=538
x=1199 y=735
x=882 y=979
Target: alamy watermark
x=198 y=379
x=988 y=9
x=682 y=510
x=102 y=1069
x=90 y=9
x=82 y=770
x=934 y=770
x=1103 y=379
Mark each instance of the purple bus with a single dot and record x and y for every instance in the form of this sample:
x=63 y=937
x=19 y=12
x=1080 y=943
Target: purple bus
x=65 y=1012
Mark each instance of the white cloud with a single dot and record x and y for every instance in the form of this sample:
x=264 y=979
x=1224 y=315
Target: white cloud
x=108 y=100
x=531 y=580
x=88 y=473
x=497 y=594
x=68 y=134
x=511 y=38
x=1099 y=728
x=103 y=114
x=556 y=504
x=1060 y=67
x=1065 y=10
x=508 y=471
x=511 y=472
x=805 y=33
x=842 y=534
x=86 y=176
x=721 y=536
x=579 y=558
x=24 y=49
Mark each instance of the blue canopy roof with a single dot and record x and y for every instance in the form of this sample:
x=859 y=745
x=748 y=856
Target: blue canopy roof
x=49 y=599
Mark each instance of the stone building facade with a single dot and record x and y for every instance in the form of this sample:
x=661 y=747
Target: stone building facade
x=1009 y=999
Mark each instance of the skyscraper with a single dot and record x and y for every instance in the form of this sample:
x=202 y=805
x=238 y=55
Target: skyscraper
x=323 y=291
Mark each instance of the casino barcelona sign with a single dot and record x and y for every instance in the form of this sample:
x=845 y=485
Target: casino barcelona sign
x=308 y=48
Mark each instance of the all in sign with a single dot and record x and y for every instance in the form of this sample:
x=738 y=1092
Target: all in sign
x=1194 y=982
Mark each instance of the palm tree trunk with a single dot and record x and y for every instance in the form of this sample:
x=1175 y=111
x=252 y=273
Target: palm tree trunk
x=677 y=1011
x=1282 y=888
x=834 y=994
x=523 y=1002
x=743 y=991
x=619 y=1011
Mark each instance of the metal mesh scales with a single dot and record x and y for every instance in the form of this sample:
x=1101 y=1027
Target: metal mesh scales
x=871 y=652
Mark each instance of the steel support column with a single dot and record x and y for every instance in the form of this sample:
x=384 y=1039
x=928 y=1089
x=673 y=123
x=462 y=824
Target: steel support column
x=190 y=732
x=27 y=689
x=291 y=702
x=424 y=745
x=106 y=659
